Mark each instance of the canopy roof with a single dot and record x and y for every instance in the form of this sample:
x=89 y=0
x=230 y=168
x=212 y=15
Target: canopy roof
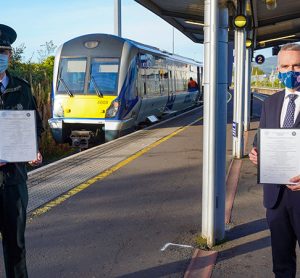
x=267 y=24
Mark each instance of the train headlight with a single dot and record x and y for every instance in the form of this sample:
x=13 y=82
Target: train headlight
x=113 y=109
x=58 y=110
x=91 y=44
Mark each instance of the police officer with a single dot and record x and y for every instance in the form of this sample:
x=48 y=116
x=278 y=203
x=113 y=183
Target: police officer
x=15 y=94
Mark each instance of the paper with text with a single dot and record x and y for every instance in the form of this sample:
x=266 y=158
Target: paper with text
x=18 y=139
x=279 y=155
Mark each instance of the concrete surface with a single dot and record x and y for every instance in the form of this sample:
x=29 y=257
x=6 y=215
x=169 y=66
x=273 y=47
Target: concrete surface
x=116 y=227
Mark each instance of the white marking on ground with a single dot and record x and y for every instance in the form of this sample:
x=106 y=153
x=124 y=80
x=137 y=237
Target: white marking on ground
x=175 y=244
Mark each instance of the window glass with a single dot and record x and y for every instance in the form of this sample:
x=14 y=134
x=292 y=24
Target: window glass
x=71 y=75
x=164 y=82
x=153 y=75
x=104 y=76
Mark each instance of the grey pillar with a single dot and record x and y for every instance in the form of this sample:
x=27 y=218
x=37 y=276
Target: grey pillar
x=215 y=120
x=247 y=89
x=118 y=19
x=239 y=85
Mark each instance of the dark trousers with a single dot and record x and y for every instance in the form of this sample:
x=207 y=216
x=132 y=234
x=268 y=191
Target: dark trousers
x=284 y=224
x=13 y=204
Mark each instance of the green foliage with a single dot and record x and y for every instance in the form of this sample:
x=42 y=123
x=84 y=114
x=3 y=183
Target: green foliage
x=257 y=71
x=17 y=53
x=266 y=83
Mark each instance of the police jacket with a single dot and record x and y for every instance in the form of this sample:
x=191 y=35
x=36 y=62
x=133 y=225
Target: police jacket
x=18 y=96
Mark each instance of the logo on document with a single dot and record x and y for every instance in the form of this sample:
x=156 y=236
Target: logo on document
x=19 y=106
x=294 y=133
x=28 y=115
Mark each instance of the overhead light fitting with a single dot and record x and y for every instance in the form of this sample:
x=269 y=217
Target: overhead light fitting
x=276 y=39
x=194 y=22
x=248 y=43
x=240 y=21
x=248 y=8
x=271 y=4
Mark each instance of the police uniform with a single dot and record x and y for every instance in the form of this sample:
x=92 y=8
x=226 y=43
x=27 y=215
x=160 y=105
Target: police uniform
x=16 y=95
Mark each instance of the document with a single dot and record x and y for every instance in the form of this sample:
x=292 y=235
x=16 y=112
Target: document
x=279 y=155
x=18 y=139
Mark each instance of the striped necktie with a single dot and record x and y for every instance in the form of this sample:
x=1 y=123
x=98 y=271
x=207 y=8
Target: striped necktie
x=1 y=87
x=290 y=112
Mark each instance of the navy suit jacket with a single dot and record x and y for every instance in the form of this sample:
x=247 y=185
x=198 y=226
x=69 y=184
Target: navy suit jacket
x=270 y=118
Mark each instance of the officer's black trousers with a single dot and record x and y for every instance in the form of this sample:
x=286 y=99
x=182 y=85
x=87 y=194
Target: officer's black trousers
x=13 y=204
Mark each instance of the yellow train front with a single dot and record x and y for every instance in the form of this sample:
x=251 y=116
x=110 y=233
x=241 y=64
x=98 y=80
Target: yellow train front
x=104 y=86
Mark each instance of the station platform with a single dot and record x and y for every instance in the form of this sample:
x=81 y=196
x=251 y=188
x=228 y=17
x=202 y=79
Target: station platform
x=132 y=208
x=141 y=192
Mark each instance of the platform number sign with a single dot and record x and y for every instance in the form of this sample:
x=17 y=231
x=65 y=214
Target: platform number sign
x=260 y=59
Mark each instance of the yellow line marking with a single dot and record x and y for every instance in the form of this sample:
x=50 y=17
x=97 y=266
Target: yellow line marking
x=48 y=206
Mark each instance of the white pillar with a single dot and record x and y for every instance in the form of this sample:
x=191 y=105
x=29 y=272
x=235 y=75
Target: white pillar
x=118 y=19
x=247 y=89
x=239 y=85
x=215 y=119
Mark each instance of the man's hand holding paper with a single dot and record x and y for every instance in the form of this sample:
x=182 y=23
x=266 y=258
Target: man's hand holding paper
x=296 y=186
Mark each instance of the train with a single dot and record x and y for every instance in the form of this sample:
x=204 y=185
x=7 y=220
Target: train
x=105 y=86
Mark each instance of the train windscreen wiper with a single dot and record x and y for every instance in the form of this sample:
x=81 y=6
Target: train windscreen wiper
x=66 y=87
x=96 y=87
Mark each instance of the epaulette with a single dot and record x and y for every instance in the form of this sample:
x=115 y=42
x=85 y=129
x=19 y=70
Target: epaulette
x=22 y=80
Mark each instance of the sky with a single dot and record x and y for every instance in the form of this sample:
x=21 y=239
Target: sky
x=37 y=22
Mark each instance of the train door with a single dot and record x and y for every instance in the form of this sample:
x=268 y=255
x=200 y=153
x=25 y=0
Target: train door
x=171 y=93
x=171 y=83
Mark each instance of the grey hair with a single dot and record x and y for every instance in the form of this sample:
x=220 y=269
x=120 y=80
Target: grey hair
x=290 y=46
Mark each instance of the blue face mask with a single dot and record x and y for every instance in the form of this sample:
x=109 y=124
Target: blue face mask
x=3 y=63
x=290 y=79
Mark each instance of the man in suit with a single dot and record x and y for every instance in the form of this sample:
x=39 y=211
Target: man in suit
x=282 y=202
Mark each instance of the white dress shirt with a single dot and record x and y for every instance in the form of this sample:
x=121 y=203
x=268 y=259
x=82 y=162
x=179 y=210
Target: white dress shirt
x=4 y=82
x=285 y=105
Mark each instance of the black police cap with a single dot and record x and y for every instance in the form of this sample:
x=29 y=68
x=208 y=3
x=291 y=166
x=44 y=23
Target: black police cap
x=7 y=36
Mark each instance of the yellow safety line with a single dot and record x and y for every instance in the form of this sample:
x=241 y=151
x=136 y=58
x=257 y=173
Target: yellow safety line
x=45 y=208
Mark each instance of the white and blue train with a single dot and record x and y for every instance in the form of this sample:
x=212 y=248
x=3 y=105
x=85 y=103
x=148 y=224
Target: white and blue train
x=105 y=86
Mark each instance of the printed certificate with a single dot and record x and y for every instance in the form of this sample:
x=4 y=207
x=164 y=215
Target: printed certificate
x=18 y=139
x=279 y=155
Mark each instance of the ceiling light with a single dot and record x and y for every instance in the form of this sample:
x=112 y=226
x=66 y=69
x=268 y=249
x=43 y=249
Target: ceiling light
x=276 y=39
x=271 y=4
x=194 y=22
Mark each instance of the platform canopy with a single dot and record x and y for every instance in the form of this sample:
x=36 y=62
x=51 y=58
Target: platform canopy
x=271 y=25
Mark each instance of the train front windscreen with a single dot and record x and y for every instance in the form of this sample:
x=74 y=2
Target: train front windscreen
x=102 y=76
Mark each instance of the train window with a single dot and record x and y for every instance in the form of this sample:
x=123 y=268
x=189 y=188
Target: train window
x=104 y=76
x=71 y=75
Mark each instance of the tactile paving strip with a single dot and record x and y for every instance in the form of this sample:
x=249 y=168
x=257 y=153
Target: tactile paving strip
x=51 y=181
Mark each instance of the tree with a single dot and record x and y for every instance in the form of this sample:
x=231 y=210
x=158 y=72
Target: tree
x=257 y=71
x=46 y=50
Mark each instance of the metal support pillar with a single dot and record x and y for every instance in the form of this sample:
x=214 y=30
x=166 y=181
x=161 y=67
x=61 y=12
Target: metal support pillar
x=215 y=120
x=118 y=18
x=247 y=89
x=239 y=85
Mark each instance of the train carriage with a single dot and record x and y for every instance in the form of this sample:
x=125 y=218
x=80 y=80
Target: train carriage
x=104 y=86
